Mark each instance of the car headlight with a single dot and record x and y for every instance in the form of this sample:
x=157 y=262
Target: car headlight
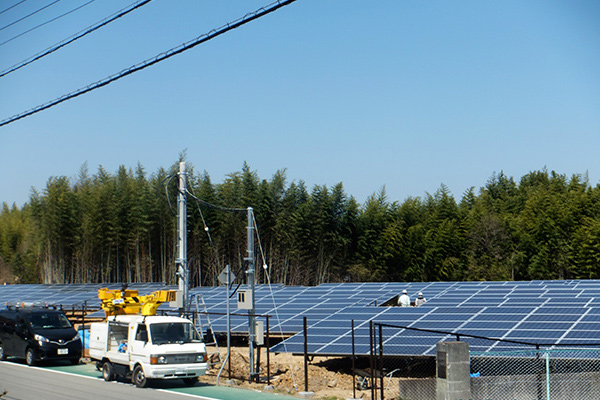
x=158 y=360
x=41 y=339
x=202 y=357
x=76 y=337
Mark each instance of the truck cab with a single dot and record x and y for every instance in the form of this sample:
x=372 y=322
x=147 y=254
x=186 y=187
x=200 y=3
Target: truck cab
x=143 y=348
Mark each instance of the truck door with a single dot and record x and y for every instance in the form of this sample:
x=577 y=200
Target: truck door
x=138 y=337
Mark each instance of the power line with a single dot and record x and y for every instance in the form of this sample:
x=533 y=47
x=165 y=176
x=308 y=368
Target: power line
x=161 y=57
x=78 y=35
x=13 y=6
x=216 y=207
x=45 y=23
x=29 y=15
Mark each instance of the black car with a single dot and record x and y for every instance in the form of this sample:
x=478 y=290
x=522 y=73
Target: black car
x=38 y=334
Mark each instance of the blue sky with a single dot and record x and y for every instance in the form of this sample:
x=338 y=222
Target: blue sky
x=403 y=94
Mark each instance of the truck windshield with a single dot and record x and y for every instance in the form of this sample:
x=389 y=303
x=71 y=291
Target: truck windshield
x=49 y=321
x=174 y=332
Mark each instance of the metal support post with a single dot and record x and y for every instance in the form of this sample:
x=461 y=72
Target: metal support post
x=305 y=355
x=268 y=360
x=251 y=285
x=228 y=357
x=182 y=270
x=353 y=364
x=381 y=360
x=547 y=375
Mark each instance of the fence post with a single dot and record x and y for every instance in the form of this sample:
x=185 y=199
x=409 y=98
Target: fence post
x=257 y=369
x=381 y=358
x=306 y=393
x=372 y=361
x=547 y=375
x=353 y=366
x=305 y=357
x=539 y=386
x=268 y=360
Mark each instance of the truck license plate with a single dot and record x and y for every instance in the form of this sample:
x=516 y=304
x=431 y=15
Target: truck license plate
x=63 y=351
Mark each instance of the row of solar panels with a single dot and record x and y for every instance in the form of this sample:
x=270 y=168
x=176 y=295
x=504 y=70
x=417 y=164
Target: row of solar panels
x=64 y=294
x=540 y=312
x=536 y=312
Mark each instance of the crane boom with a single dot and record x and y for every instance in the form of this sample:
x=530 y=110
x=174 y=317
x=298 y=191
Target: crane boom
x=128 y=302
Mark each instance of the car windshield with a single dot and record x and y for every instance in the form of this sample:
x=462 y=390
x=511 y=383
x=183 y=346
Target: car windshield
x=49 y=321
x=174 y=332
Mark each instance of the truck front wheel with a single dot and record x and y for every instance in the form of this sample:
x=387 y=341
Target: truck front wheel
x=139 y=378
x=108 y=372
x=190 y=381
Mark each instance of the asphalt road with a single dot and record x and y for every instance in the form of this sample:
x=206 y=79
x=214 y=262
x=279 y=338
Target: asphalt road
x=31 y=383
x=83 y=381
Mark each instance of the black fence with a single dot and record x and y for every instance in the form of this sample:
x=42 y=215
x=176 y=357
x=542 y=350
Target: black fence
x=405 y=376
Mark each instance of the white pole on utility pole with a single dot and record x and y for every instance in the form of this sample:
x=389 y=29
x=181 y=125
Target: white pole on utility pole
x=251 y=285
x=182 y=270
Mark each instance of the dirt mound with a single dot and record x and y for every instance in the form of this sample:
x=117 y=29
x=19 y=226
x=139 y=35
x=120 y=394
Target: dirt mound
x=328 y=377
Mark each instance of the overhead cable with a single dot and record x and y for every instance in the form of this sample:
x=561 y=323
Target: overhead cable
x=168 y=180
x=207 y=204
x=45 y=23
x=78 y=35
x=29 y=15
x=161 y=57
x=13 y=6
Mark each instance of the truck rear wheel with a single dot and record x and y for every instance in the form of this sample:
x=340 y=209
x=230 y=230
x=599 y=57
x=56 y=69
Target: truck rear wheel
x=108 y=372
x=139 y=378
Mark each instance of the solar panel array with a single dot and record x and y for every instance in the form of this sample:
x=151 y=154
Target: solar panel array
x=539 y=312
x=66 y=294
x=536 y=312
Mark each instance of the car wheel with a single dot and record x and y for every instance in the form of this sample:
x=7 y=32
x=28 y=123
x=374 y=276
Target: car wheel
x=2 y=355
x=139 y=378
x=108 y=372
x=190 y=381
x=31 y=357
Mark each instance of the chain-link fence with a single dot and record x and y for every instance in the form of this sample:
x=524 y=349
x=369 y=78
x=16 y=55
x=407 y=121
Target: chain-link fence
x=527 y=371
x=557 y=374
x=405 y=377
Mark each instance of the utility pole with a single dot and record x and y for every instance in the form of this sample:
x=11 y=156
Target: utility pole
x=251 y=285
x=183 y=272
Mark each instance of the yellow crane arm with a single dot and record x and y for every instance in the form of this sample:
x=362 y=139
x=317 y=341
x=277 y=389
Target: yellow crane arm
x=127 y=302
x=152 y=301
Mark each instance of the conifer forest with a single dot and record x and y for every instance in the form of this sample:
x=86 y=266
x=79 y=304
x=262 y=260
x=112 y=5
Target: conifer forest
x=121 y=227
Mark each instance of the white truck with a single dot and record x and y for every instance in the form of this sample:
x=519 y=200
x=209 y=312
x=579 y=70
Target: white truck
x=144 y=348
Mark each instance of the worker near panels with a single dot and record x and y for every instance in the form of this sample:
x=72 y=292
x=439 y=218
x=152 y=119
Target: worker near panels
x=404 y=300
x=420 y=300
